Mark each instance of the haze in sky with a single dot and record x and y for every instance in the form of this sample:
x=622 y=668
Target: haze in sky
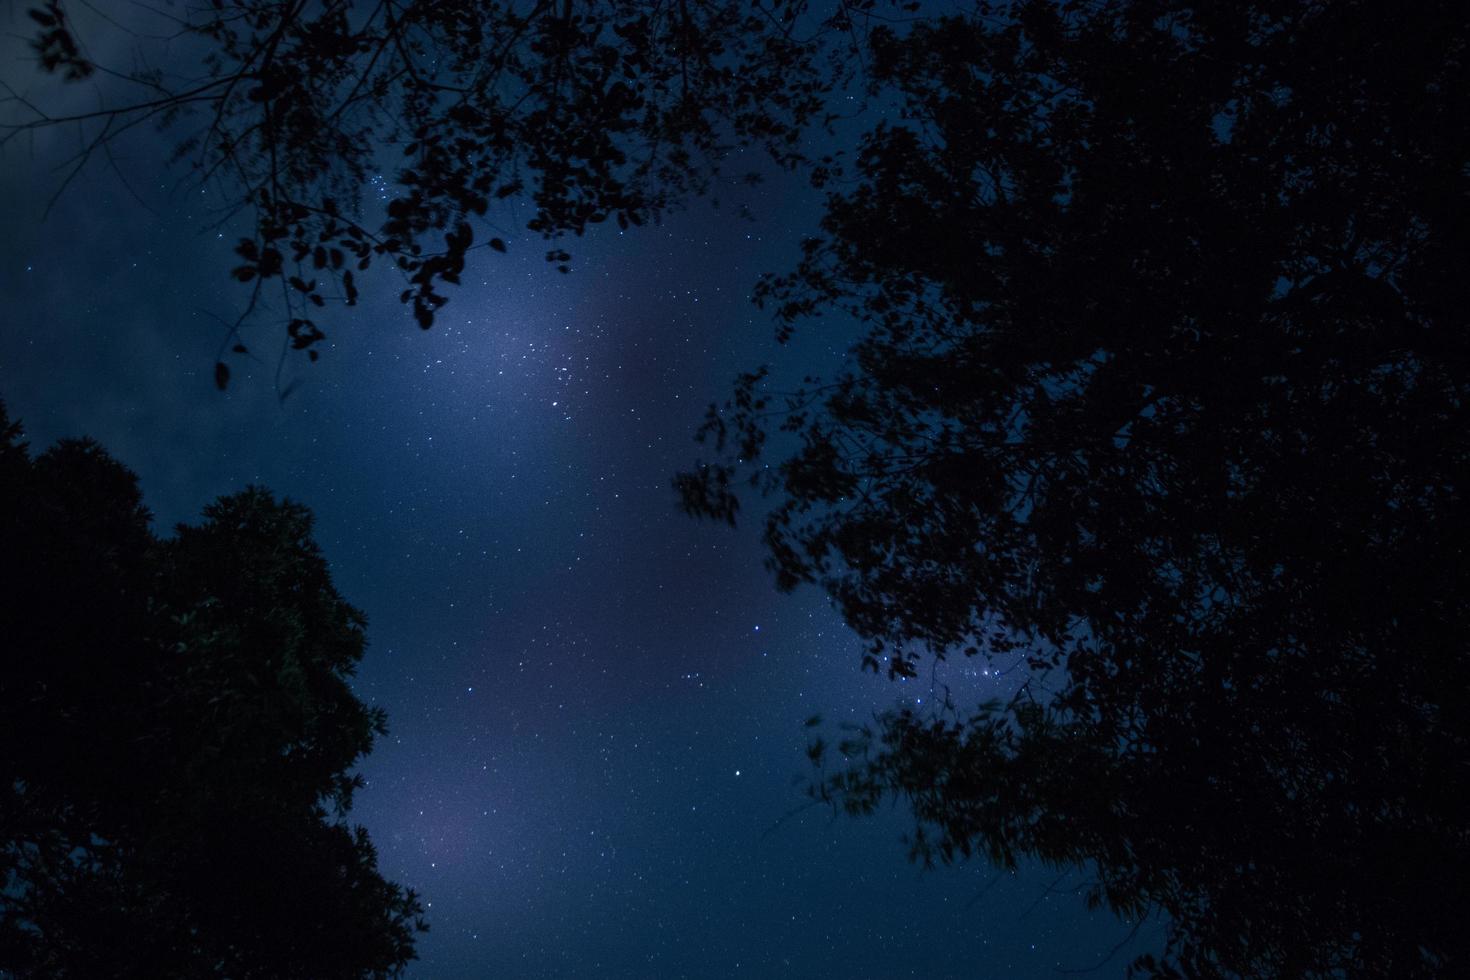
x=595 y=765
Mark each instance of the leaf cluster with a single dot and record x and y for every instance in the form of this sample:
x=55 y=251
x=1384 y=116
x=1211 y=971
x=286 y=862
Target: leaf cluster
x=590 y=110
x=1163 y=375
x=177 y=734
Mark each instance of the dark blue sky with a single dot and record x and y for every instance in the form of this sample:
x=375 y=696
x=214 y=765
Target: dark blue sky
x=596 y=703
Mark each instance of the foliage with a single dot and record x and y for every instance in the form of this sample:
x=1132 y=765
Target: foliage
x=1162 y=388
x=176 y=732
x=594 y=109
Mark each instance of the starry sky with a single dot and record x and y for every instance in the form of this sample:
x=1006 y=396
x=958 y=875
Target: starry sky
x=595 y=703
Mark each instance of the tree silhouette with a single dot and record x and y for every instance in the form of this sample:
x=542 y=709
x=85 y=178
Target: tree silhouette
x=176 y=731
x=595 y=111
x=1161 y=392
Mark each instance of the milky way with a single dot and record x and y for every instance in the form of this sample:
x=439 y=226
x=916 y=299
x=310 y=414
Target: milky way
x=596 y=704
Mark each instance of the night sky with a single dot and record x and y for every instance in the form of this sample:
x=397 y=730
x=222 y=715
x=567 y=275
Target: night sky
x=595 y=703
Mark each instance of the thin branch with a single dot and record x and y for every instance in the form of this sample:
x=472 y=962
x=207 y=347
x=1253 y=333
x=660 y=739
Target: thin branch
x=1111 y=953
